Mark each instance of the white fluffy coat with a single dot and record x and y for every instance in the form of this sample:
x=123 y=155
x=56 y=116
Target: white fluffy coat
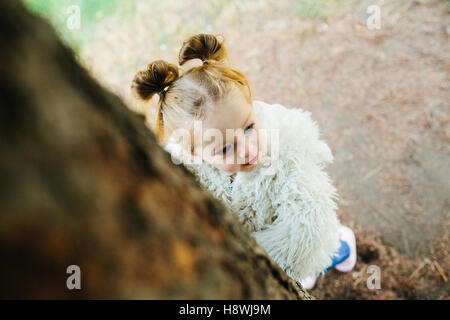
x=291 y=213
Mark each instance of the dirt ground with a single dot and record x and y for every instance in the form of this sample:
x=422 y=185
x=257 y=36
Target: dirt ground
x=380 y=97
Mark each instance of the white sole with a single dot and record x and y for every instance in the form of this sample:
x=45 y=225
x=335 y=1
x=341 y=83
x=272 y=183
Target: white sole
x=308 y=282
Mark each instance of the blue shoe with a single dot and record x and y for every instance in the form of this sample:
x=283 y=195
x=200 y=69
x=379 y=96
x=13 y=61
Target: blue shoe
x=340 y=256
x=346 y=234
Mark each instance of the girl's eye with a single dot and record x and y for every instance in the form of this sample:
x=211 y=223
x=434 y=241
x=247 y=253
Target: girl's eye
x=224 y=150
x=250 y=127
x=227 y=148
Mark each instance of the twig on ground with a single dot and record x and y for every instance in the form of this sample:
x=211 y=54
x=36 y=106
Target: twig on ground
x=420 y=267
x=439 y=269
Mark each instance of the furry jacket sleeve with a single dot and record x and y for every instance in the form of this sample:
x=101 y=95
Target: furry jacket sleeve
x=290 y=213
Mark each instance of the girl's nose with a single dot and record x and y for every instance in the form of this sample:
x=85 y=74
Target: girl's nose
x=248 y=152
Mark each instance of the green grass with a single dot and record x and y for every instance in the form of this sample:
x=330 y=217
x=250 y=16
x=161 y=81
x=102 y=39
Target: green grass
x=91 y=13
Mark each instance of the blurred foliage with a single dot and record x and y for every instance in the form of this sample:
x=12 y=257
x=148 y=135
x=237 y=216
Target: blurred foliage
x=191 y=15
x=188 y=16
x=92 y=11
x=319 y=8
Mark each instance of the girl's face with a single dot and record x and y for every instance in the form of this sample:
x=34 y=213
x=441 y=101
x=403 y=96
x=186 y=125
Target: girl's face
x=240 y=149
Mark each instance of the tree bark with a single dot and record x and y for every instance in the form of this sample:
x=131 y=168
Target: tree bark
x=83 y=182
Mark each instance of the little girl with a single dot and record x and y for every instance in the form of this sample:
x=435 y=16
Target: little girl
x=269 y=173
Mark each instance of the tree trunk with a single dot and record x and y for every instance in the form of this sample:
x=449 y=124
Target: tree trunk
x=83 y=182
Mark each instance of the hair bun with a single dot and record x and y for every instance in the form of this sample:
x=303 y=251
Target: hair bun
x=159 y=75
x=204 y=47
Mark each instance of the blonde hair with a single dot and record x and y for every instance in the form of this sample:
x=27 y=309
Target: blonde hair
x=184 y=98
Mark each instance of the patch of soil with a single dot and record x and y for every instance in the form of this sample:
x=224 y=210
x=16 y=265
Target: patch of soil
x=401 y=277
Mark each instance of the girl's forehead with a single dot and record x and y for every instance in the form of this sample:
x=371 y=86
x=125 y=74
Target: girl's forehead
x=231 y=113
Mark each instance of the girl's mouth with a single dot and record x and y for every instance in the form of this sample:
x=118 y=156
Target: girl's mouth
x=253 y=161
